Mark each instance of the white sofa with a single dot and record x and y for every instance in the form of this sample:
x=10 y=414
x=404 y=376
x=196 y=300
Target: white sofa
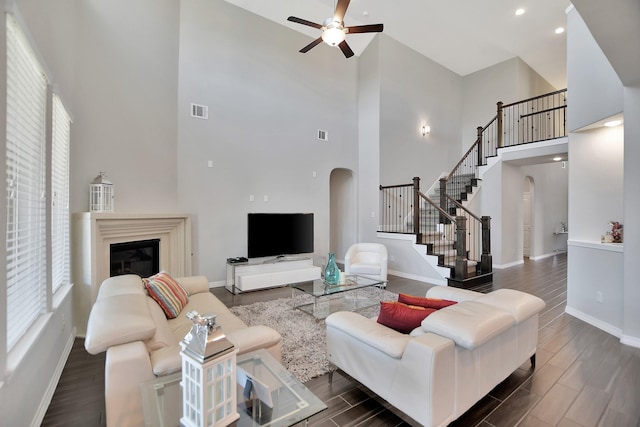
x=457 y=355
x=141 y=343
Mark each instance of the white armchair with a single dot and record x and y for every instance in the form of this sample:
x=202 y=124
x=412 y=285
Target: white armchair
x=367 y=259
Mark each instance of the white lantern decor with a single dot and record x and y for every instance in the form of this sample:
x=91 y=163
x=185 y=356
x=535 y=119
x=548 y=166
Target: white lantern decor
x=101 y=194
x=208 y=375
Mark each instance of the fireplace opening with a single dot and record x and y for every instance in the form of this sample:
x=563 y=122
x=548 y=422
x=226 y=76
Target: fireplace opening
x=141 y=257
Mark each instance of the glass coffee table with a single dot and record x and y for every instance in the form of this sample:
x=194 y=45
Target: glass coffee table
x=287 y=400
x=354 y=293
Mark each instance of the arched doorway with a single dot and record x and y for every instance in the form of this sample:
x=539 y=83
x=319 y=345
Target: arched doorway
x=342 y=211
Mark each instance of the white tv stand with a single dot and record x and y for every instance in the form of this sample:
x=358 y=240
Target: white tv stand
x=253 y=275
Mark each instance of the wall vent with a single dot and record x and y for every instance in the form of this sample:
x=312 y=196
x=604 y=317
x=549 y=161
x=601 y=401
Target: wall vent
x=323 y=135
x=199 y=111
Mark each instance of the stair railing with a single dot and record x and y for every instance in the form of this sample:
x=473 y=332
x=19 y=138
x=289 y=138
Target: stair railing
x=477 y=234
x=435 y=230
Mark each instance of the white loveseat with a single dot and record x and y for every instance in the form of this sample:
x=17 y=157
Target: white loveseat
x=457 y=355
x=141 y=343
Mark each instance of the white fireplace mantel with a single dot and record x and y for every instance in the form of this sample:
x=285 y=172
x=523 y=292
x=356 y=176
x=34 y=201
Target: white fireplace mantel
x=93 y=233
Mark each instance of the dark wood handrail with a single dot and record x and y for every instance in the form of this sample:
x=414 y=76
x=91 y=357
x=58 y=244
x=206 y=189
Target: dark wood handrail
x=432 y=203
x=459 y=205
x=382 y=187
x=560 y=107
x=534 y=98
x=464 y=157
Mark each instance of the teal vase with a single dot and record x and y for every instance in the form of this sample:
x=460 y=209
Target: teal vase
x=331 y=271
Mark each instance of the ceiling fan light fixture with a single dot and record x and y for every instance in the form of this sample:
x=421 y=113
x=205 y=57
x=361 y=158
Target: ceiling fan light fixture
x=334 y=34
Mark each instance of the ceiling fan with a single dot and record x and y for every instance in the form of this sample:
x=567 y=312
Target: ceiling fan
x=334 y=31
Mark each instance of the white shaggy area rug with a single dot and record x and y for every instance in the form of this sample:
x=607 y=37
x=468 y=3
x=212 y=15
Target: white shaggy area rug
x=303 y=338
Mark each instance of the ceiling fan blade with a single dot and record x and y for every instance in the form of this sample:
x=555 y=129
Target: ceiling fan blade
x=304 y=22
x=311 y=45
x=341 y=10
x=344 y=47
x=373 y=28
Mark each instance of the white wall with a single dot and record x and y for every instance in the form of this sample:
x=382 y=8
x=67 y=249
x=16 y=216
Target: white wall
x=116 y=66
x=595 y=94
x=414 y=90
x=266 y=102
x=509 y=81
x=369 y=169
x=631 y=305
x=602 y=286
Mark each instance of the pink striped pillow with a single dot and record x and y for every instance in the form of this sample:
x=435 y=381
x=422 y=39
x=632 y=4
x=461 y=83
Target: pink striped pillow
x=167 y=293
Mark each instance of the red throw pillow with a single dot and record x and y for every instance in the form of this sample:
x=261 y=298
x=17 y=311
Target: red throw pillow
x=425 y=302
x=402 y=317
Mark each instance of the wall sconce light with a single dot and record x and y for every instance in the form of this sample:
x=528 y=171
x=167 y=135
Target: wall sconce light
x=426 y=130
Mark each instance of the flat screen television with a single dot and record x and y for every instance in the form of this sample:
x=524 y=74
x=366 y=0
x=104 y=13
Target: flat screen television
x=279 y=234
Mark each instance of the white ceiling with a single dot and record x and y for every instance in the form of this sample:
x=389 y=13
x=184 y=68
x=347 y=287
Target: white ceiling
x=463 y=35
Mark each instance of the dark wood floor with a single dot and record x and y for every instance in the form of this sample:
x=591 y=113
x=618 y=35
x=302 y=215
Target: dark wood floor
x=584 y=377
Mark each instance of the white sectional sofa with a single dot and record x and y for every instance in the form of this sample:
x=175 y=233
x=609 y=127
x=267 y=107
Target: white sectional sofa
x=142 y=344
x=457 y=355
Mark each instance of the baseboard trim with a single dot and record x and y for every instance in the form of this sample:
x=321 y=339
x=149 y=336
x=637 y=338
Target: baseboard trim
x=630 y=341
x=55 y=378
x=218 y=284
x=548 y=255
x=511 y=264
x=608 y=328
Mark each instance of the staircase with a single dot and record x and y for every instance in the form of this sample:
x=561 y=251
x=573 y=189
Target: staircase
x=459 y=239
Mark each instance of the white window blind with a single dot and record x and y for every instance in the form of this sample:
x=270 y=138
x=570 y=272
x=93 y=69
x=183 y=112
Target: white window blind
x=60 y=138
x=26 y=205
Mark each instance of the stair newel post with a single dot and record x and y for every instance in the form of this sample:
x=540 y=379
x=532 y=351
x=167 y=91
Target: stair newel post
x=479 y=142
x=443 y=200
x=416 y=208
x=461 y=248
x=499 y=125
x=486 y=260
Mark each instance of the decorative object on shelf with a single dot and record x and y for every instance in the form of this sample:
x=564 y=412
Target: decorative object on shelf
x=101 y=194
x=616 y=231
x=208 y=375
x=331 y=271
x=564 y=227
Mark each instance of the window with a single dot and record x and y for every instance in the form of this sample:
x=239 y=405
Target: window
x=26 y=204
x=60 y=137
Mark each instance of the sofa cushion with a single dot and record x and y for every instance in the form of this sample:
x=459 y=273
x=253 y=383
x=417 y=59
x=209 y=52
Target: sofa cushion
x=167 y=293
x=436 y=303
x=453 y=294
x=163 y=336
x=469 y=323
x=205 y=303
x=402 y=317
x=118 y=319
x=165 y=361
x=521 y=305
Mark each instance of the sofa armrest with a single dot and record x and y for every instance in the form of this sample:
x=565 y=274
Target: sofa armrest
x=118 y=319
x=126 y=367
x=194 y=284
x=370 y=332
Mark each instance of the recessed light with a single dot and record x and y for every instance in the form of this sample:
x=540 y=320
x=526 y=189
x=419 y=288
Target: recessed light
x=519 y=12
x=559 y=30
x=613 y=123
x=557 y=159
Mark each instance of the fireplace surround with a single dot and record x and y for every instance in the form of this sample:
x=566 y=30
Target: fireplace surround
x=93 y=234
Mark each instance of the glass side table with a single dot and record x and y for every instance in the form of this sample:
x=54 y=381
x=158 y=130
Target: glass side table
x=290 y=401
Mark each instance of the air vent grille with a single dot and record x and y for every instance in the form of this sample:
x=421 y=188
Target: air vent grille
x=199 y=111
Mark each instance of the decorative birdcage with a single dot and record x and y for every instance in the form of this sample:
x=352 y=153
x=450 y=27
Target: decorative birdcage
x=101 y=194
x=208 y=375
